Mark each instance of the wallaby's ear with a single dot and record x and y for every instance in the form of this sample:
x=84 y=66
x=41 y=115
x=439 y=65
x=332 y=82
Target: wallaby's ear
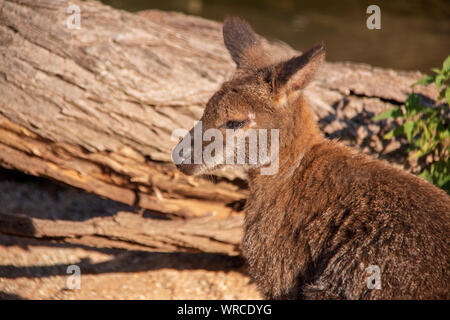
x=241 y=42
x=296 y=73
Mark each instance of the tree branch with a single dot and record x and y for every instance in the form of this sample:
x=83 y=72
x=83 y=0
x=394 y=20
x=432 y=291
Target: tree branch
x=125 y=230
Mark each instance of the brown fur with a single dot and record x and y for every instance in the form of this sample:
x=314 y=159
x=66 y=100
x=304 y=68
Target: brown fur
x=312 y=229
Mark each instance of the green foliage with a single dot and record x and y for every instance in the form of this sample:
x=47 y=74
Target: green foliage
x=426 y=128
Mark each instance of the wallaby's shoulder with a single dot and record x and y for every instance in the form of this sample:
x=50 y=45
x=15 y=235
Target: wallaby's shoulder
x=345 y=172
x=336 y=178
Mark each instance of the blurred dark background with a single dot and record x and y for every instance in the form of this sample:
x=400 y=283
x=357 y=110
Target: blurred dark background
x=415 y=34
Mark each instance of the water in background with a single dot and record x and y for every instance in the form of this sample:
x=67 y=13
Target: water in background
x=415 y=35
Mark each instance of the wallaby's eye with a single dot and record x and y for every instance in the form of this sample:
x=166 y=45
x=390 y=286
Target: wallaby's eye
x=234 y=124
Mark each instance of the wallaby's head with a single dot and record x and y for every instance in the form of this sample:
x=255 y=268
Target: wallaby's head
x=263 y=94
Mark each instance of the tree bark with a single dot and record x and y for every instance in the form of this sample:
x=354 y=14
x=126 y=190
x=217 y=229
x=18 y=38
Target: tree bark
x=95 y=107
x=130 y=231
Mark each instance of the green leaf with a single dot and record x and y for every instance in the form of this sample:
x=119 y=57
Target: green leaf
x=426 y=175
x=418 y=108
x=425 y=81
x=393 y=113
x=446 y=64
x=389 y=135
x=436 y=70
x=439 y=80
x=444 y=133
x=447 y=95
x=408 y=128
x=441 y=94
x=430 y=111
x=395 y=132
x=411 y=103
x=426 y=133
x=419 y=154
x=426 y=147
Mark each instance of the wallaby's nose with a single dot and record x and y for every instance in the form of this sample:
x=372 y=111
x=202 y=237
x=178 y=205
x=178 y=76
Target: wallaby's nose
x=188 y=169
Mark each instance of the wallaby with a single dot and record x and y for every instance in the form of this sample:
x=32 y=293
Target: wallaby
x=330 y=223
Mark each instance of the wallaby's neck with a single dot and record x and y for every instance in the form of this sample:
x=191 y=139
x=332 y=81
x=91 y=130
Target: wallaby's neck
x=298 y=135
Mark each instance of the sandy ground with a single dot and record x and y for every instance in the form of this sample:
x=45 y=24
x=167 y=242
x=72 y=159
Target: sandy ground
x=38 y=269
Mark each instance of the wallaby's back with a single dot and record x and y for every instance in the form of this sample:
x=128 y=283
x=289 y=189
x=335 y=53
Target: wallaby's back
x=315 y=231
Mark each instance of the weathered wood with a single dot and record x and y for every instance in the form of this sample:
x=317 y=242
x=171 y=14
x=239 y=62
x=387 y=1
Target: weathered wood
x=128 y=230
x=95 y=107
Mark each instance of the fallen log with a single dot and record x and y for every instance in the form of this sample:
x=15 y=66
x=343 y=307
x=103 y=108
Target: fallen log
x=94 y=107
x=130 y=231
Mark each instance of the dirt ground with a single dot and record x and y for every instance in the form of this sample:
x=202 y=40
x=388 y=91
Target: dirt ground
x=38 y=269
